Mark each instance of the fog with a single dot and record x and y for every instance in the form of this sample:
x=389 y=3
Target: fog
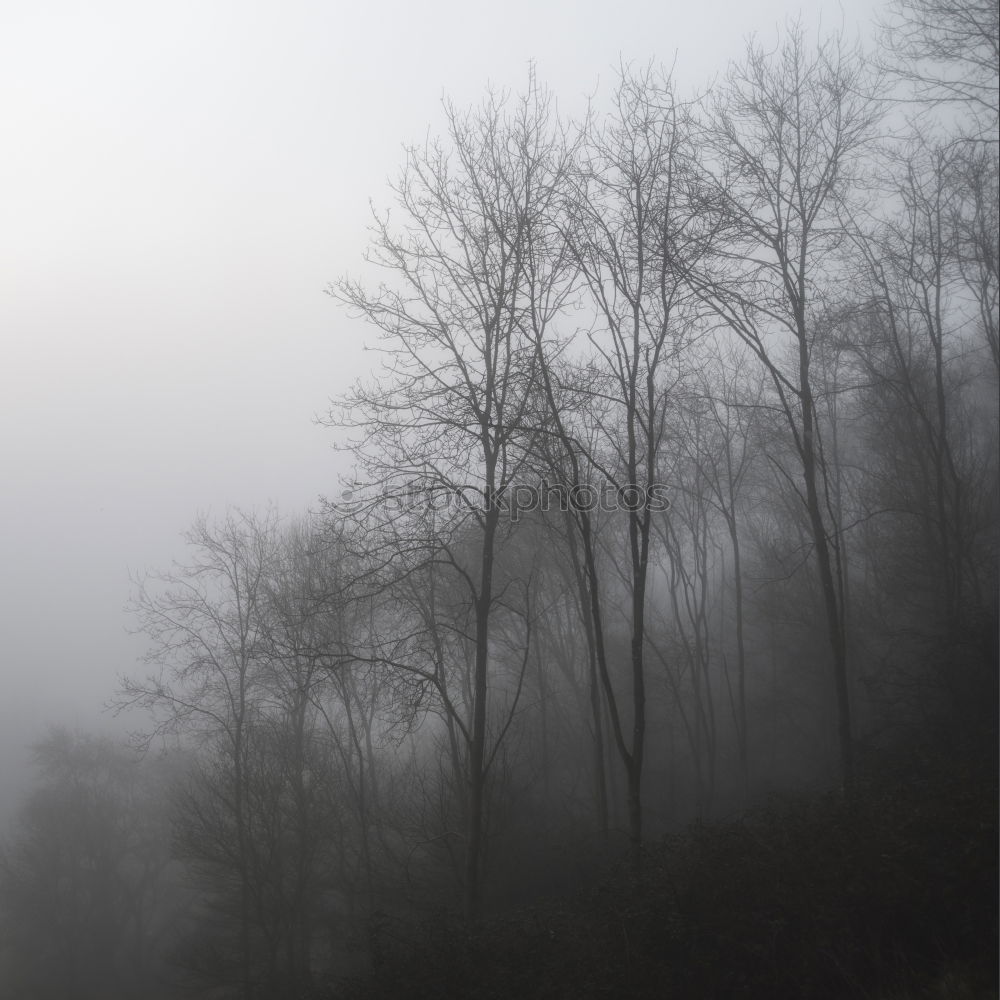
x=729 y=267
x=178 y=187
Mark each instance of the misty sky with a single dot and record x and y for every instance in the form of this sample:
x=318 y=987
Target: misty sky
x=178 y=183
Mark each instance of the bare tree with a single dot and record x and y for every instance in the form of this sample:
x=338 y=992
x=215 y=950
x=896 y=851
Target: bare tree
x=447 y=417
x=85 y=881
x=206 y=623
x=787 y=130
x=948 y=52
x=975 y=222
x=727 y=453
x=305 y=668
x=688 y=552
x=631 y=215
x=912 y=342
x=709 y=454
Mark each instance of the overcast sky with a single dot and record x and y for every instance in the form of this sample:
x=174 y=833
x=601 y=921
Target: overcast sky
x=178 y=183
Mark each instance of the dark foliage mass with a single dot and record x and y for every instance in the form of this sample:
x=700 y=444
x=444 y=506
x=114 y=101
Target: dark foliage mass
x=653 y=649
x=889 y=894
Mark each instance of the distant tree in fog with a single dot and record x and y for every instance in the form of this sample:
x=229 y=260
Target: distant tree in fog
x=948 y=52
x=206 y=624
x=789 y=130
x=88 y=898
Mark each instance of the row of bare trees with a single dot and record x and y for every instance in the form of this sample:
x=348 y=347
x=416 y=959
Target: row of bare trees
x=582 y=305
x=677 y=484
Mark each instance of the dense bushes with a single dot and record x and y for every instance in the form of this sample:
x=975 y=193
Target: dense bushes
x=889 y=894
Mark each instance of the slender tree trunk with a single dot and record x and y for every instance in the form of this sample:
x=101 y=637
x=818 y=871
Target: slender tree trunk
x=741 y=661
x=834 y=618
x=246 y=986
x=477 y=747
x=586 y=616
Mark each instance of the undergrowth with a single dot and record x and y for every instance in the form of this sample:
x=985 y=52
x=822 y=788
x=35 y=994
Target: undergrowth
x=887 y=894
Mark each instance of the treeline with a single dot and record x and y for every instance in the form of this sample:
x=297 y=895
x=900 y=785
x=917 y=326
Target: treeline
x=677 y=486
